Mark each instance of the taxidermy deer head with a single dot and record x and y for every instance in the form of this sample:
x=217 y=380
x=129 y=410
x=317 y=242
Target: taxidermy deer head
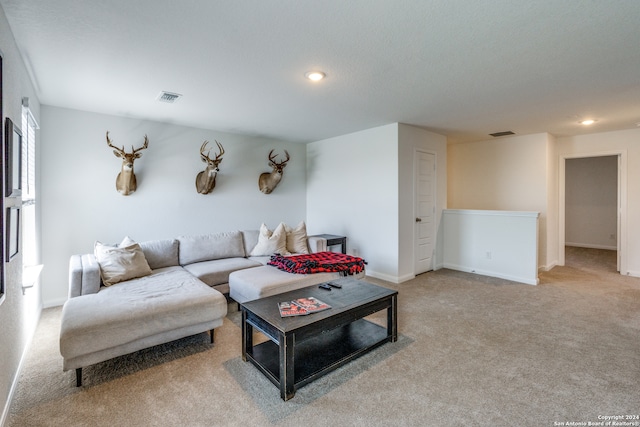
x=126 y=180
x=268 y=181
x=206 y=180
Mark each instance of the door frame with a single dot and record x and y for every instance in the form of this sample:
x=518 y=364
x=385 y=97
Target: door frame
x=417 y=150
x=3 y=165
x=622 y=204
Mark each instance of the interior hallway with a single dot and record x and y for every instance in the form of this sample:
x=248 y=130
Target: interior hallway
x=591 y=259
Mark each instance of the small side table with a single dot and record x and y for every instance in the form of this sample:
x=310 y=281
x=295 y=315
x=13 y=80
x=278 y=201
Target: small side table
x=332 y=240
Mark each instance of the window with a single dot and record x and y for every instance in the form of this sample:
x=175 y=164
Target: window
x=29 y=241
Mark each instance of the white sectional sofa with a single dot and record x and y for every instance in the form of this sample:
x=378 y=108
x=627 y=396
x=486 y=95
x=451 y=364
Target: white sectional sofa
x=180 y=293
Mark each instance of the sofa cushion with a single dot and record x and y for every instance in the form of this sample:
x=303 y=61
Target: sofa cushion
x=207 y=247
x=120 y=263
x=271 y=242
x=261 y=259
x=161 y=253
x=216 y=272
x=261 y=282
x=297 y=239
x=168 y=299
x=250 y=238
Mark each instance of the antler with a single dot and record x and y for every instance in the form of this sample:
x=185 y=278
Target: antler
x=116 y=149
x=202 y=147
x=145 y=145
x=287 y=159
x=120 y=151
x=272 y=159
x=221 y=150
x=206 y=156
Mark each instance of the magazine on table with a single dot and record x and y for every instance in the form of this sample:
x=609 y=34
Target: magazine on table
x=288 y=309
x=311 y=304
x=301 y=306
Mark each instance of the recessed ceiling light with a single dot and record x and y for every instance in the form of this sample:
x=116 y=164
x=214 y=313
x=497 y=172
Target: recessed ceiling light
x=587 y=122
x=315 y=75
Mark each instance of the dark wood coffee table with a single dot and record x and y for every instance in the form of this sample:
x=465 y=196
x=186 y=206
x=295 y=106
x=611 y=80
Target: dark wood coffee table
x=303 y=348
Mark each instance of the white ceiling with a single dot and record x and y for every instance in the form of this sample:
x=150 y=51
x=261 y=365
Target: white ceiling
x=460 y=68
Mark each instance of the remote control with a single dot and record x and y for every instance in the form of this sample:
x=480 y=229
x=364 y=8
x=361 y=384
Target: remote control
x=325 y=287
x=334 y=285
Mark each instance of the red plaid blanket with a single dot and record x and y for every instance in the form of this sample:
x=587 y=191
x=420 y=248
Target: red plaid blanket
x=318 y=263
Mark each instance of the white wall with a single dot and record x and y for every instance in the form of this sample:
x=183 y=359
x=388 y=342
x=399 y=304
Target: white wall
x=352 y=190
x=591 y=202
x=492 y=243
x=627 y=142
x=80 y=204
x=361 y=185
x=410 y=139
x=19 y=311
x=503 y=174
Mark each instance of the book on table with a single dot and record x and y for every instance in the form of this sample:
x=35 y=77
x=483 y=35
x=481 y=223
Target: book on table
x=301 y=306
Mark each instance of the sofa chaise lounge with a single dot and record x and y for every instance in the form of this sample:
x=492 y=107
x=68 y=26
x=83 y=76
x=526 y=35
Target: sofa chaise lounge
x=181 y=292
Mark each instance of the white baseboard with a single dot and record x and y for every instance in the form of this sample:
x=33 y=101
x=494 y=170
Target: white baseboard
x=54 y=302
x=548 y=266
x=406 y=278
x=590 y=246
x=633 y=273
x=382 y=276
x=525 y=280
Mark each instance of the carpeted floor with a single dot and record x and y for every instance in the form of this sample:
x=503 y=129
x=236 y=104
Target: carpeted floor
x=472 y=351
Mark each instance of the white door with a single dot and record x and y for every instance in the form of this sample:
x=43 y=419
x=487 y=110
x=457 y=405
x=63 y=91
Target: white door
x=425 y=185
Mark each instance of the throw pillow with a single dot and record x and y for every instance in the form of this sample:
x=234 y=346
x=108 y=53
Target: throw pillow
x=271 y=242
x=119 y=263
x=161 y=253
x=297 y=239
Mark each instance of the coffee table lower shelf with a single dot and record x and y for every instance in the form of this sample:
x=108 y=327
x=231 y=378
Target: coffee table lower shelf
x=321 y=354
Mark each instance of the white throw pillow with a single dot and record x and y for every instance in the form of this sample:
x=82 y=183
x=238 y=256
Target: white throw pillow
x=297 y=239
x=119 y=263
x=271 y=242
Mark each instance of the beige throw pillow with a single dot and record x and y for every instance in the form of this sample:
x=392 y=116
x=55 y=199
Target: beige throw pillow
x=119 y=263
x=271 y=242
x=297 y=239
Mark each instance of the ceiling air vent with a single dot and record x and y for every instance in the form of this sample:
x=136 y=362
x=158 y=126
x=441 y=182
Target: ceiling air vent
x=168 y=97
x=505 y=133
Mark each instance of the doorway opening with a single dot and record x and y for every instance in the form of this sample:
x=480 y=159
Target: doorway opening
x=601 y=260
x=593 y=211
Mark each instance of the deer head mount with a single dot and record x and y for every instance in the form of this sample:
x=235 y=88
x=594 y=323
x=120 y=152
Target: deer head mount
x=126 y=180
x=268 y=181
x=206 y=180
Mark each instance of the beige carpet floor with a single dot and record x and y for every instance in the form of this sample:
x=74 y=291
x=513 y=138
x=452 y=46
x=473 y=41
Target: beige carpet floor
x=473 y=351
